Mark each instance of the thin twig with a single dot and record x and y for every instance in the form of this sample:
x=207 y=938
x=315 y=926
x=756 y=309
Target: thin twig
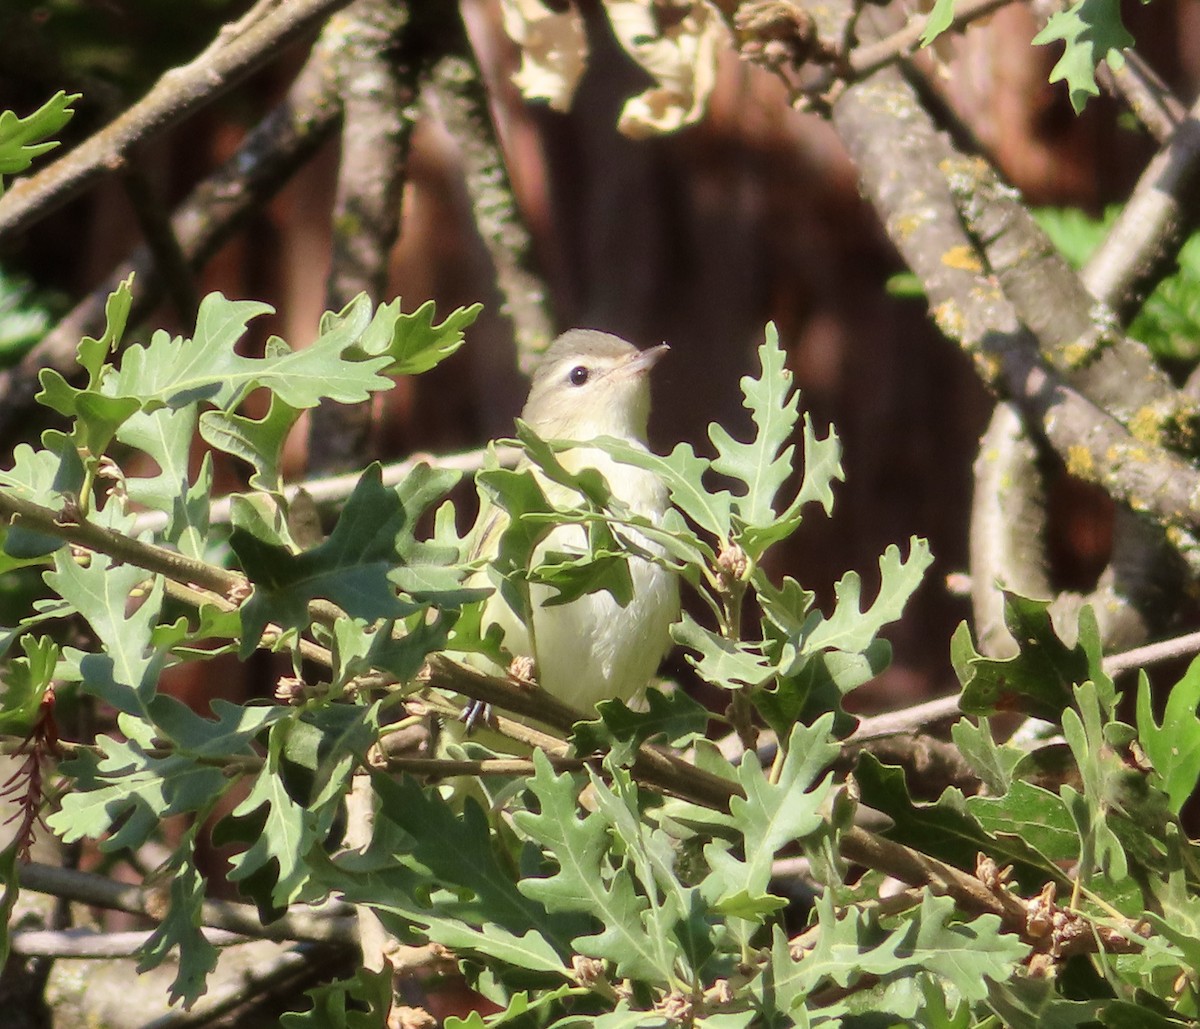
x=510 y=766
x=905 y=720
x=86 y=943
x=1151 y=653
x=327 y=923
x=180 y=91
x=1146 y=95
x=870 y=57
x=918 y=869
x=169 y=258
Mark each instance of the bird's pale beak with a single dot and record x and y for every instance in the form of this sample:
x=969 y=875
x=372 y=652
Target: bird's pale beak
x=644 y=360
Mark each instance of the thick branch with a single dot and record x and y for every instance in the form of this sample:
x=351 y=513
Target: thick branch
x=461 y=100
x=377 y=80
x=228 y=59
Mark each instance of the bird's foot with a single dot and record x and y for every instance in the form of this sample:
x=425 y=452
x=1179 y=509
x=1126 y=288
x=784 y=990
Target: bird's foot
x=477 y=713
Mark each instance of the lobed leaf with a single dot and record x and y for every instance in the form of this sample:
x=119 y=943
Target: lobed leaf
x=1174 y=746
x=1091 y=31
x=771 y=815
x=350 y=568
x=23 y=139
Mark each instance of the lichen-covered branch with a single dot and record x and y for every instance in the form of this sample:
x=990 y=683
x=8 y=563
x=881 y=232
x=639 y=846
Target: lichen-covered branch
x=377 y=73
x=900 y=156
x=458 y=94
x=1081 y=339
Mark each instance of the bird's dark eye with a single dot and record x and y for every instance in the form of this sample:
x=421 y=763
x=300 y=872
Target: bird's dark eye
x=578 y=375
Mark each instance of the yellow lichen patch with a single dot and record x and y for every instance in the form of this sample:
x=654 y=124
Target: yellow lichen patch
x=1079 y=462
x=963 y=258
x=949 y=318
x=988 y=365
x=904 y=225
x=1146 y=424
x=1079 y=353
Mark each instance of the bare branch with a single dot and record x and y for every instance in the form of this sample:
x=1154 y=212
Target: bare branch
x=1165 y=650
x=326 y=924
x=225 y=62
x=870 y=57
x=458 y=94
x=1145 y=94
x=1156 y=220
x=377 y=80
x=907 y=719
x=86 y=943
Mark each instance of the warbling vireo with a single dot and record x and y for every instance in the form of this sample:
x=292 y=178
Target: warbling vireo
x=591 y=384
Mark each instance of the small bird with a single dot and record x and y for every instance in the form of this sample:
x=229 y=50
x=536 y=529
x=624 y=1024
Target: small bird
x=591 y=384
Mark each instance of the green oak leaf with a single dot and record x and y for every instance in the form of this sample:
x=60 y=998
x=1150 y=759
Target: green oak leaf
x=766 y=462
x=1174 y=746
x=166 y=435
x=937 y=21
x=584 y=881
x=46 y=477
x=454 y=849
x=1091 y=31
x=674 y=717
x=259 y=442
x=1036 y=681
x=729 y=664
x=770 y=815
x=350 y=568
x=180 y=931
x=277 y=860
x=132 y=790
x=949 y=830
x=683 y=473
x=23 y=139
x=176 y=372
x=853 y=630
x=362 y=1002
x=25 y=682
x=411 y=342
x=126 y=674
